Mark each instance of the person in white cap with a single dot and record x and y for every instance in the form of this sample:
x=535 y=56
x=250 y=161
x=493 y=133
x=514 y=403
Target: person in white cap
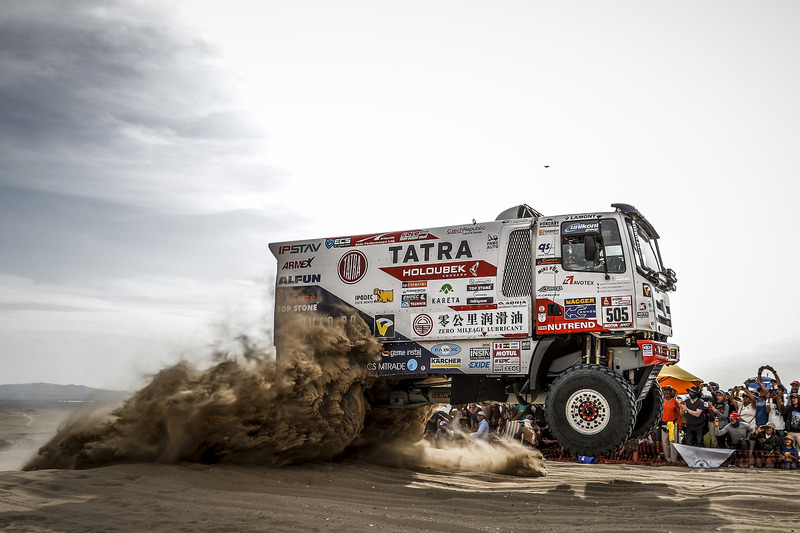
x=483 y=428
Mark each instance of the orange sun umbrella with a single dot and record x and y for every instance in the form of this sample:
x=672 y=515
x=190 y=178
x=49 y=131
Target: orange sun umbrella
x=678 y=378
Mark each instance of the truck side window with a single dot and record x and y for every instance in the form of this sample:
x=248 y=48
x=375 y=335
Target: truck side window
x=609 y=247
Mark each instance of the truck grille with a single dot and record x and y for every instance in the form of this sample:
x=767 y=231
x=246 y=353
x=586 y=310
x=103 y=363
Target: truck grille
x=518 y=271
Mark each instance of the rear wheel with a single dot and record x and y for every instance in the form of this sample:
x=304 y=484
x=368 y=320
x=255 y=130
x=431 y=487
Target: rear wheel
x=649 y=416
x=590 y=409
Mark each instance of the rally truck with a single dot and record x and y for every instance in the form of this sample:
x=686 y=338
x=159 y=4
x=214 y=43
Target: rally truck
x=570 y=312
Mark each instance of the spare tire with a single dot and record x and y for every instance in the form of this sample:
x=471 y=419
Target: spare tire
x=590 y=409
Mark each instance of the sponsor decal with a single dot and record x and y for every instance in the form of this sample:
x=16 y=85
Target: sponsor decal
x=580 y=217
x=411 y=364
x=422 y=325
x=300 y=279
x=384 y=326
x=512 y=304
x=506 y=357
x=492 y=242
x=548 y=223
x=645 y=290
x=411 y=352
x=386 y=366
x=552 y=269
x=579 y=312
x=342 y=242
x=446 y=301
x=582 y=227
x=439 y=362
x=579 y=301
x=570 y=280
x=617 y=311
x=441 y=271
x=551 y=288
x=466 y=230
x=479 y=365
x=548 y=261
x=446 y=288
x=380 y=296
x=642 y=315
x=475 y=287
x=446 y=350
x=457 y=324
x=298 y=248
x=479 y=354
x=526 y=345
x=352 y=267
x=415 y=285
x=483 y=300
x=546 y=248
x=289 y=297
x=567 y=326
x=383 y=296
x=292 y=265
x=379 y=238
x=553 y=231
x=414 y=300
x=440 y=395
x=415 y=253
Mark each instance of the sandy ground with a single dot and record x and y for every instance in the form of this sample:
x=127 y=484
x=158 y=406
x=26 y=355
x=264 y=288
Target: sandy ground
x=351 y=494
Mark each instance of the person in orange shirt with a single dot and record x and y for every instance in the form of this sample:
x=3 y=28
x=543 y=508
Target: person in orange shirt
x=672 y=413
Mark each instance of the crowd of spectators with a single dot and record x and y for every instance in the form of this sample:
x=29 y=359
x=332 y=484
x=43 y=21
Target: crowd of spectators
x=760 y=423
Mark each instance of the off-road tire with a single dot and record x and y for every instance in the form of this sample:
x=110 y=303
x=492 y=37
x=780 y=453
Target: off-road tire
x=650 y=412
x=590 y=410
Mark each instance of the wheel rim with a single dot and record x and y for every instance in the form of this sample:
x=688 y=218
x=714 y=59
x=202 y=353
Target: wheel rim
x=587 y=411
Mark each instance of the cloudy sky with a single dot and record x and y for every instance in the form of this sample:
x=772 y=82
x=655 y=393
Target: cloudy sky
x=149 y=151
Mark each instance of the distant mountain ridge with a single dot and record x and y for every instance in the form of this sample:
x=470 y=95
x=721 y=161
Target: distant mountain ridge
x=57 y=393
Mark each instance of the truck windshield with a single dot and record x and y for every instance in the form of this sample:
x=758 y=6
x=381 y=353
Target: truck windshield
x=646 y=247
x=609 y=246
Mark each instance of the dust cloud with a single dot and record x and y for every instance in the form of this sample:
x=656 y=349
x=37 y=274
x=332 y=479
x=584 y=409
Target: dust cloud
x=309 y=405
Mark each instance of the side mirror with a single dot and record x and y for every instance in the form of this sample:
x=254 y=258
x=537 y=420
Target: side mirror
x=590 y=248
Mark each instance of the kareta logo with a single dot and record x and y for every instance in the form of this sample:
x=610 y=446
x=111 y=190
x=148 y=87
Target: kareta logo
x=446 y=288
x=445 y=350
x=384 y=326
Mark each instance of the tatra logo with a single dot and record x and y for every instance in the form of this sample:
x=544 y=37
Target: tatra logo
x=443 y=251
x=352 y=267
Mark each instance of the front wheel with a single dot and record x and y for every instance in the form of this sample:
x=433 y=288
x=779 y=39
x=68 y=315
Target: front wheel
x=649 y=416
x=590 y=409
